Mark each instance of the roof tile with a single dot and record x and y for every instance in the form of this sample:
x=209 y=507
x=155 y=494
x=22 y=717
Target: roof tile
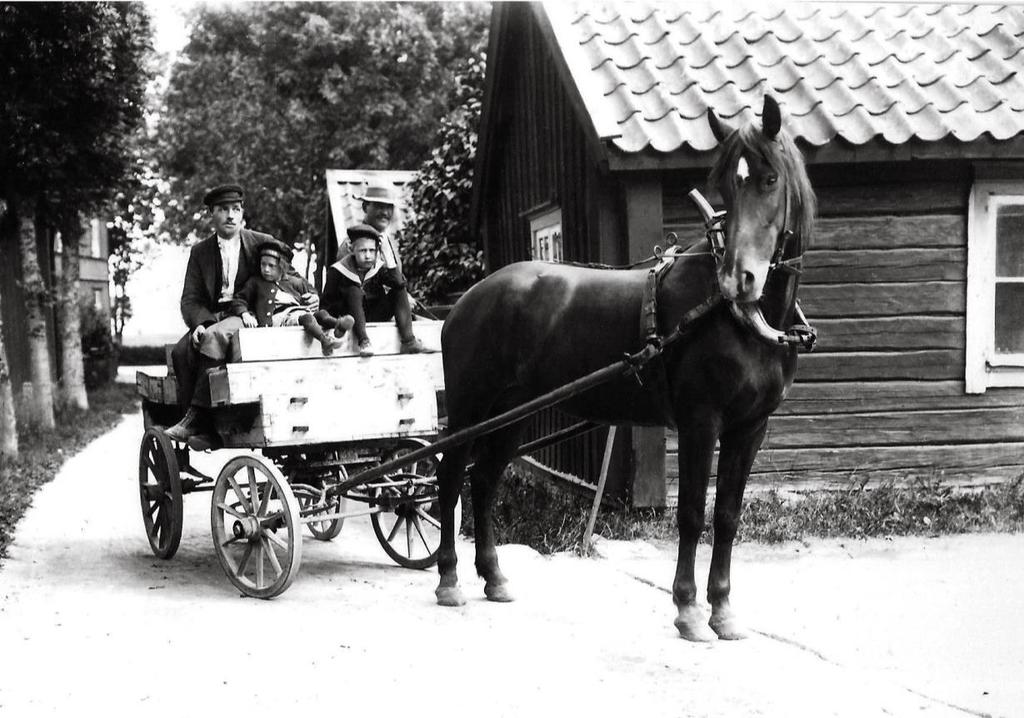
x=896 y=71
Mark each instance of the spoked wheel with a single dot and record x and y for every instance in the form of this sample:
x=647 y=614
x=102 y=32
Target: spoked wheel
x=409 y=527
x=327 y=529
x=256 y=527
x=160 y=493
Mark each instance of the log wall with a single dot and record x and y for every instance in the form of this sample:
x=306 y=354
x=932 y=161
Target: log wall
x=882 y=397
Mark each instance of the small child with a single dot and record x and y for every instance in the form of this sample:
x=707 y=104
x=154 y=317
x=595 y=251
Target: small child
x=274 y=299
x=363 y=286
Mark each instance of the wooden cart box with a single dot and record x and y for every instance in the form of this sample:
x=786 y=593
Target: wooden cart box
x=285 y=392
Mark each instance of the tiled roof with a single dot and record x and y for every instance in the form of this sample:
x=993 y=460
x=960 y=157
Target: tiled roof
x=648 y=72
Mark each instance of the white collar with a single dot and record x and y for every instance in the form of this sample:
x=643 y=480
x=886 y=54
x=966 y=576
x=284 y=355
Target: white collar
x=234 y=240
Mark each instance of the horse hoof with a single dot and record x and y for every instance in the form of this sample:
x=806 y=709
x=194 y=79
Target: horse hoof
x=691 y=625
x=450 y=596
x=727 y=629
x=498 y=592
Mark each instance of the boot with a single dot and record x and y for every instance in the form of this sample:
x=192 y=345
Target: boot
x=412 y=345
x=342 y=324
x=195 y=422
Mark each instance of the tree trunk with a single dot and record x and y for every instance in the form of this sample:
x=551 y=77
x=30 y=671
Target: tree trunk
x=8 y=424
x=72 y=377
x=35 y=302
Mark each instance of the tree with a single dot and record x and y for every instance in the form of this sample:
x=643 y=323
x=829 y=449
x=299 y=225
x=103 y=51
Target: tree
x=8 y=423
x=272 y=94
x=72 y=82
x=72 y=370
x=441 y=256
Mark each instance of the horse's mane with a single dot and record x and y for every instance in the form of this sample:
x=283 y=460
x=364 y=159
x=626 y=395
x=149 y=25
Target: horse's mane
x=785 y=158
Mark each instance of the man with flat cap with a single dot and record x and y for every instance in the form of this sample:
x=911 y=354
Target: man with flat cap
x=218 y=267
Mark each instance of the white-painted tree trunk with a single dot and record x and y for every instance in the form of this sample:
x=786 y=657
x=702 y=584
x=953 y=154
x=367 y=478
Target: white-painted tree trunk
x=35 y=295
x=72 y=375
x=8 y=423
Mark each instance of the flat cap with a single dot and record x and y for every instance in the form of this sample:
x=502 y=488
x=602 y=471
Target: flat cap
x=274 y=248
x=223 y=193
x=363 y=231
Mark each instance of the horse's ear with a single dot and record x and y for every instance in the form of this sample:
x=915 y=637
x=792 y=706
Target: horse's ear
x=719 y=129
x=771 y=118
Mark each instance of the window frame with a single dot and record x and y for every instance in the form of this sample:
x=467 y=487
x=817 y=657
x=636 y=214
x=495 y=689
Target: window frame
x=983 y=368
x=540 y=222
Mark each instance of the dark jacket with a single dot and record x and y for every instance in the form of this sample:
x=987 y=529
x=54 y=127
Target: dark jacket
x=257 y=296
x=376 y=283
x=201 y=290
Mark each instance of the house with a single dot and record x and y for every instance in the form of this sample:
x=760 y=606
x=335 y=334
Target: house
x=910 y=118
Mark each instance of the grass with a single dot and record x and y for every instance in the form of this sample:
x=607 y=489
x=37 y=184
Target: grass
x=44 y=452
x=552 y=520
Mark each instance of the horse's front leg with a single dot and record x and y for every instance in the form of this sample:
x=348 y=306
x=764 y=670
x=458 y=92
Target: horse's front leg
x=696 y=449
x=736 y=456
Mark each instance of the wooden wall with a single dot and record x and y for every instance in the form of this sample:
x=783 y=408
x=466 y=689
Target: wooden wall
x=882 y=397
x=539 y=157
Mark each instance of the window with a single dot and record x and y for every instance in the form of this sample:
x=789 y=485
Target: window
x=995 y=286
x=95 y=235
x=97 y=299
x=546 y=236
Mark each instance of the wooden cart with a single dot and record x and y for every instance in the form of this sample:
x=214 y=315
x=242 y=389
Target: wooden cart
x=308 y=422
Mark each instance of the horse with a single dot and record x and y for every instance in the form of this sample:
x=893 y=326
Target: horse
x=531 y=327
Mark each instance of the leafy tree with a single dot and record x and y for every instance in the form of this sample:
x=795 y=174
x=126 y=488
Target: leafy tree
x=441 y=256
x=72 y=81
x=272 y=94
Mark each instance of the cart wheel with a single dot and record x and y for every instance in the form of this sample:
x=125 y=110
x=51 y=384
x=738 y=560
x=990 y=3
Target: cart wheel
x=409 y=529
x=256 y=527
x=330 y=528
x=160 y=493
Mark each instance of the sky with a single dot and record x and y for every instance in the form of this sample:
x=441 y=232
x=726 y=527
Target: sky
x=169 y=24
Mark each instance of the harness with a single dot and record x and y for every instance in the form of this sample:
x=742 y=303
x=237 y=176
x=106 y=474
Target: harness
x=801 y=335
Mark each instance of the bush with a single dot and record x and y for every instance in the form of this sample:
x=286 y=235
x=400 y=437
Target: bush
x=440 y=255
x=98 y=351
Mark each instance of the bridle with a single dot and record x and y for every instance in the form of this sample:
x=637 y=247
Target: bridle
x=801 y=335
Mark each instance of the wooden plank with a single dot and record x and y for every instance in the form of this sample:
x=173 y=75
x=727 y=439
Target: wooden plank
x=798 y=483
x=944 y=426
x=891 y=231
x=648 y=465
x=249 y=382
x=854 y=397
x=889 y=333
x=875 y=198
x=822 y=266
x=826 y=301
x=865 y=460
x=926 y=365
x=280 y=343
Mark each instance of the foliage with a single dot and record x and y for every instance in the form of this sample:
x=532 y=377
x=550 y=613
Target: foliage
x=551 y=520
x=440 y=254
x=97 y=344
x=72 y=84
x=43 y=453
x=270 y=95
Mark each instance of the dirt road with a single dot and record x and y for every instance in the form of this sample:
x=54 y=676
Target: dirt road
x=91 y=621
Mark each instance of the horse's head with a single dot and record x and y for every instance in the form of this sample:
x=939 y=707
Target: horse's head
x=768 y=199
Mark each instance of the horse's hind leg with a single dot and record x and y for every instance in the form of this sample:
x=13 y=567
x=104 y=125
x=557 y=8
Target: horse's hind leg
x=738 y=449
x=696 y=449
x=496 y=450
x=450 y=475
